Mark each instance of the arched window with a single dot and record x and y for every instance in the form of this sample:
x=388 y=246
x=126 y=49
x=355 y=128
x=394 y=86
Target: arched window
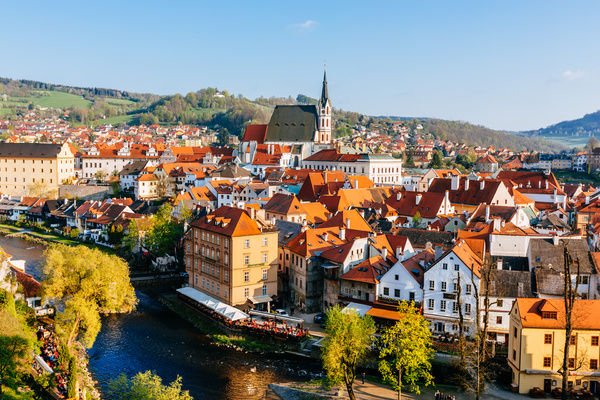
x=327 y=110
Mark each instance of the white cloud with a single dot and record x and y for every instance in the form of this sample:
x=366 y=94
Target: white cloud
x=571 y=75
x=305 y=26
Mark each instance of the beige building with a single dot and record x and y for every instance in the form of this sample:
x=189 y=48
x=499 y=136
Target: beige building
x=536 y=342
x=232 y=258
x=35 y=169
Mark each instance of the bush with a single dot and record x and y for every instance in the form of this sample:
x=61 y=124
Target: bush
x=537 y=393
x=72 y=383
x=74 y=233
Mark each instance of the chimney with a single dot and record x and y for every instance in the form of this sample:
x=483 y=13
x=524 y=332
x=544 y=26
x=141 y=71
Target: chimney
x=482 y=185
x=467 y=184
x=342 y=233
x=499 y=264
x=487 y=213
x=325 y=236
x=347 y=223
x=398 y=196
x=418 y=198
x=539 y=184
x=454 y=182
x=384 y=253
x=555 y=240
x=399 y=253
x=546 y=184
x=437 y=252
x=356 y=184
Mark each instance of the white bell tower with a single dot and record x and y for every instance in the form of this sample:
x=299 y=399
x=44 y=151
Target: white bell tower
x=324 y=108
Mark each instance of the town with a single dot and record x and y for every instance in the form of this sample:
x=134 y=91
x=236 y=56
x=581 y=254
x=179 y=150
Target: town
x=276 y=234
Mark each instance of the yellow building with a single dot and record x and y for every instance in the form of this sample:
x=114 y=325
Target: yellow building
x=536 y=343
x=35 y=169
x=232 y=258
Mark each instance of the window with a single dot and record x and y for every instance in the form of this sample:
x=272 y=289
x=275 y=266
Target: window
x=593 y=364
x=549 y=315
x=430 y=304
x=247 y=243
x=264 y=289
x=443 y=305
x=454 y=307
x=226 y=276
x=431 y=285
x=443 y=286
x=573 y=339
x=548 y=338
x=515 y=355
x=514 y=332
x=583 y=279
x=456 y=267
x=499 y=303
x=246 y=292
x=455 y=287
x=264 y=258
x=246 y=260
x=226 y=258
x=247 y=276
x=397 y=293
x=571 y=363
x=386 y=291
x=265 y=274
x=547 y=362
x=396 y=277
x=594 y=340
x=265 y=241
x=444 y=266
x=467 y=308
x=226 y=242
x=468 y=288
x=499 y=320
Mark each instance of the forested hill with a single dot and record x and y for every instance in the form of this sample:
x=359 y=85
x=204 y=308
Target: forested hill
x=588 y=125
x=217 y=109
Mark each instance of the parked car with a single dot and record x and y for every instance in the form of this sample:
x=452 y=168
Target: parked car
x=282 y=312
x=320 y=318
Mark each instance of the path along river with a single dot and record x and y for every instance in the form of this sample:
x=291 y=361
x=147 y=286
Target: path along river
x=153 y=338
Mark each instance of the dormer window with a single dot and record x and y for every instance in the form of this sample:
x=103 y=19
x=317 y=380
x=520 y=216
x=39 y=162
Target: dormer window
x=549 y=315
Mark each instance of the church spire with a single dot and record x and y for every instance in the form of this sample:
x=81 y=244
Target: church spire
x=324 y=93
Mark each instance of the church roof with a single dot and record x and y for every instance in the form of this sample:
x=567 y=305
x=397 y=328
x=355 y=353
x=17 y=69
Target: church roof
x=296 y=123
x=324 y=92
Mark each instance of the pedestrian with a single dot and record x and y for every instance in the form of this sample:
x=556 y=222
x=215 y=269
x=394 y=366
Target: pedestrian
x=363 y=377
x=437 y=395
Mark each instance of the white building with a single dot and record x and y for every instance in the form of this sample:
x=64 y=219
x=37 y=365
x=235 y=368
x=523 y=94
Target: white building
x=440 y=289
x=110 y=160
x=404 y=281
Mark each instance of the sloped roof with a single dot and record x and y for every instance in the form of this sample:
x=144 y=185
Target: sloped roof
x=292 y=123
x=229 y=221
x=255 y=132
x=428 y=207
x=367 y=271
x=585 y=314
x=29 y=150
x=342 y=218
x=474 y=195
x=284 y=204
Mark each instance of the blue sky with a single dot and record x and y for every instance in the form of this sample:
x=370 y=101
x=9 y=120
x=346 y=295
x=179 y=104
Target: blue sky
x=511 y=65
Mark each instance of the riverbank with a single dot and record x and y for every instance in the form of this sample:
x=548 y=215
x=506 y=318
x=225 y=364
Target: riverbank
x=219 y=335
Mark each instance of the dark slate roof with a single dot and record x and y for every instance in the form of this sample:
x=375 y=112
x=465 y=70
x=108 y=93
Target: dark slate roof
x=420 y=237
x=549 y=282
x=29 y=150
x=513 y=284
x=296 y=123
x=230 y=171
x=545 y=253
x=287 y=231
x=134 y=167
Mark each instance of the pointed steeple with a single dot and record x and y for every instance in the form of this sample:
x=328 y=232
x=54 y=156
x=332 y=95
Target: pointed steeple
x=324 y=93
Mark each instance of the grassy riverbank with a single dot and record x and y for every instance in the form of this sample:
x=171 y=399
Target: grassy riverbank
x=213 y=330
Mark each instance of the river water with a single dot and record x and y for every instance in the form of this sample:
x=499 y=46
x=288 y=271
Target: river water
x=154 y=338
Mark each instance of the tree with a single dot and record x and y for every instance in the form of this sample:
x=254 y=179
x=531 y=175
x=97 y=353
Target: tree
x=100 y=175
x=347 y=345
x=417 y=220
x=163 y=185
x=592 y=144
x=406 y=351
x=570 y=295
x=436 y=160
x=72 y=382
x=89 y=282
x=409 y=162
x=147 y=386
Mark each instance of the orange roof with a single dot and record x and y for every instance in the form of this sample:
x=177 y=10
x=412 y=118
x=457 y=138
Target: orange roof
x=586 y=313
x=147 y=177
x=315 y=212
x=229 y=221
x=345 y=217
x=383 y=313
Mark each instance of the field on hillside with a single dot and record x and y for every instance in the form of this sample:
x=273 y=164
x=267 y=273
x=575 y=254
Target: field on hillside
x=568 y=141
x=55 y=99
x=117 y=119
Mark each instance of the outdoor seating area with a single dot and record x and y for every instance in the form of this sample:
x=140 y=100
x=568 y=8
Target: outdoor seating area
x=49 y=356
x=272 y=328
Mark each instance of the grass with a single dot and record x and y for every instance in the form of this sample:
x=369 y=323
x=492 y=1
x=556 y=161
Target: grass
x=11 y=394
x=118 y=119
x=568 y=141
x=569 y=176
x=56 y=99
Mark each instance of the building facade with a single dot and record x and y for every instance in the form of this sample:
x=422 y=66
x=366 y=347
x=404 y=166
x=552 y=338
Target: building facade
x=232 y=258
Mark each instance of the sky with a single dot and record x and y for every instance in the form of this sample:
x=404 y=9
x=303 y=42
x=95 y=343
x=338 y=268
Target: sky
x=511 y=65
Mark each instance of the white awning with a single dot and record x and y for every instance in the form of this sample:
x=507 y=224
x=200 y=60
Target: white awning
x=213 y=304
x=43 y=364
x=260 y=299
x=361 y=309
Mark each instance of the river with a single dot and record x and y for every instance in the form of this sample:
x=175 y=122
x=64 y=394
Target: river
x=154 y=338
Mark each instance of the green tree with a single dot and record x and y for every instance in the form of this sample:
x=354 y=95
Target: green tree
x=409 y=162
x=347 y=345
x=72 y=382
x=89 y=282
x=406 y=351
x=436 y=160
x=417 y=220
x=147 y=386
x=164 y=232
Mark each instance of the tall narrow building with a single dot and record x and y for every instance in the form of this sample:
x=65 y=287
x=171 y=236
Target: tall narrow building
x=324 y=132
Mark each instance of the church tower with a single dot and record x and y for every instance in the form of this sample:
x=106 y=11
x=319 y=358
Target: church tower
x=324 y=107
